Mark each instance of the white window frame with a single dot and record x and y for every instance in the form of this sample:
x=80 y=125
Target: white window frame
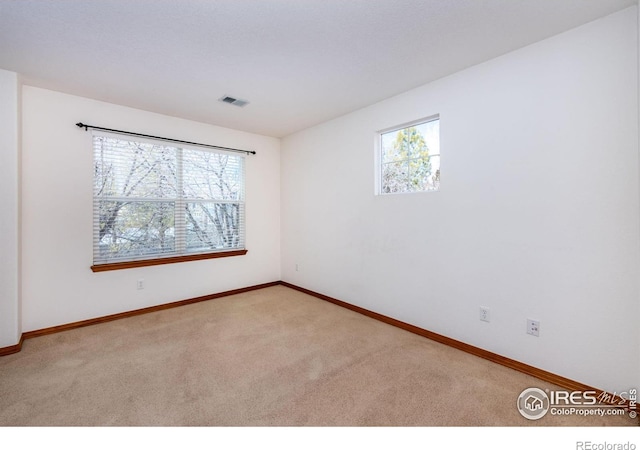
x=180 y=254
x=378 y=188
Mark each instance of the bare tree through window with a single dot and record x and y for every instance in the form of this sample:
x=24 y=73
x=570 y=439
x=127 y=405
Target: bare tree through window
x=153 y=200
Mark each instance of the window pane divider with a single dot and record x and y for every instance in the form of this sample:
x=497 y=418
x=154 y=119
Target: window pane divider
x=180 y=214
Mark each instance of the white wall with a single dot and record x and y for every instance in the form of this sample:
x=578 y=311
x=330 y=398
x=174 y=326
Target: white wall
x=537 y=217
x=10 y=330
x=58 y=285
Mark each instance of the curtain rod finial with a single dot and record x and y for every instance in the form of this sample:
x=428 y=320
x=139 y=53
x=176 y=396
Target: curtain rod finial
x=81 y=125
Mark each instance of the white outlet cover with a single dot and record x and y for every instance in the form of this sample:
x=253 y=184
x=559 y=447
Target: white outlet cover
x=533 y=327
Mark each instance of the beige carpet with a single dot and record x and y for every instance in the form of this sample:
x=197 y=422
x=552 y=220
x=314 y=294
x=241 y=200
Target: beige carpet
x=269 y=357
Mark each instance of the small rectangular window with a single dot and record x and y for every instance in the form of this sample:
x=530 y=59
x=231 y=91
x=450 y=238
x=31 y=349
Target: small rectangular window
x=153 y=200
x=410 y=158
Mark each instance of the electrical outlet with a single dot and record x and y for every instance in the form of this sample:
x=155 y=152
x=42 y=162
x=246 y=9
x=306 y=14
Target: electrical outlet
x=533 y=327
x=140 y=284
x=485 y=315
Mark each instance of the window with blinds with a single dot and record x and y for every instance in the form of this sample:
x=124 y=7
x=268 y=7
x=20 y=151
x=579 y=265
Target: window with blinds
x=153 y=200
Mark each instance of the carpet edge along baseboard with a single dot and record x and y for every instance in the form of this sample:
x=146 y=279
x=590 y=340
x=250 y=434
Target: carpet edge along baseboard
x=563 y=382
x=84 y=323
x=12 y=348
x=544 y=375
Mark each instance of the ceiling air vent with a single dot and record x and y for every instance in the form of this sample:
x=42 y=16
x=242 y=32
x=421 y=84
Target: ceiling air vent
x=233 y=101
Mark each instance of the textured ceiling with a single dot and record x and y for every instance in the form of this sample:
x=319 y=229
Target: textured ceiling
x=298 y=62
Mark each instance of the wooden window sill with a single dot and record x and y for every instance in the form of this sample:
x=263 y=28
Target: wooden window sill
x=170 y=260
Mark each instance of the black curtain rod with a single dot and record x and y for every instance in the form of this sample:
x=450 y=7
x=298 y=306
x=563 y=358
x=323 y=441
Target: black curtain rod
x=86 y=127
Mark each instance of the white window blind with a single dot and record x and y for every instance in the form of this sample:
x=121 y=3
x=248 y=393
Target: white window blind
x=153 y=200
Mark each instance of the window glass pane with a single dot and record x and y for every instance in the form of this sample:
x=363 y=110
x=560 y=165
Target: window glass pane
x=433 y=179
x=212 y=175
x=410 y=158
x=424 y=174
x=134 y=229
x=213 y=226
x=390 y=152
x=134 y=169
x=394 y=177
